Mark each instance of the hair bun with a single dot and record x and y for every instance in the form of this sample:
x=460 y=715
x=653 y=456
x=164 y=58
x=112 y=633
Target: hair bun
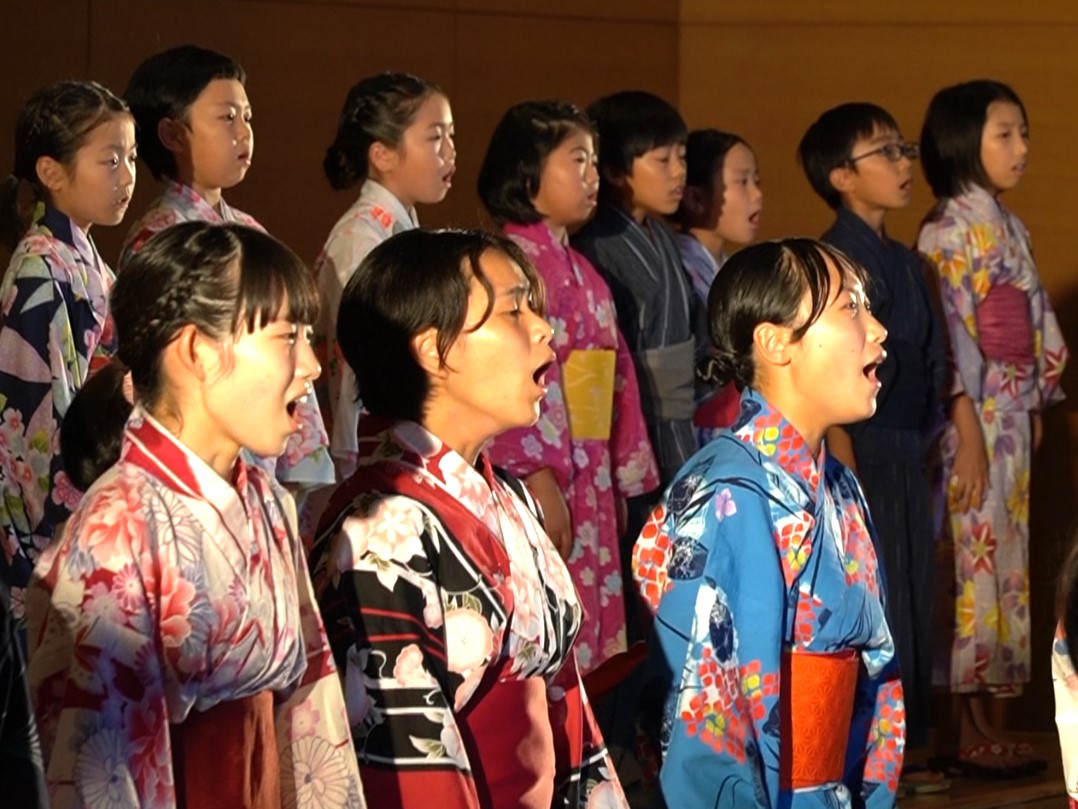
x=339 y=168
x=723 y=367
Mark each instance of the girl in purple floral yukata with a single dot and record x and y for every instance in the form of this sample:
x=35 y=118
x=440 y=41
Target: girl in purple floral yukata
x=1008 y=355
x=589 y=451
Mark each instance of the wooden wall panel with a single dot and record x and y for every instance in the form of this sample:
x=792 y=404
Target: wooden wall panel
x=504 y=60
x=767 y=70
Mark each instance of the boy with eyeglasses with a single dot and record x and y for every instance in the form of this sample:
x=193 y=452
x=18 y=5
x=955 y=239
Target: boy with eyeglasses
x=855 y=158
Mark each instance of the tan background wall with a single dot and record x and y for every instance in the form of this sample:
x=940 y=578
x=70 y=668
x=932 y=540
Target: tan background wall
x=764 y=70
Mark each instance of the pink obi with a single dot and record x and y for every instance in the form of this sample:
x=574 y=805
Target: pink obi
x=1004 y=325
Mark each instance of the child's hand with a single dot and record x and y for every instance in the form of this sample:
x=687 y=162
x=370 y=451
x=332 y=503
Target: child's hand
x=1036 y=429
x=969 y=477
x=556 y=519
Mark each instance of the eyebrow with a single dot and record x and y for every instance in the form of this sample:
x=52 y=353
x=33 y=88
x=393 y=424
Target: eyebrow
x=517 y=291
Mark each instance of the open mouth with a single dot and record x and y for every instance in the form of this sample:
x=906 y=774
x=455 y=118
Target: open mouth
x=447 y=178
x=539 y=377
x=293 y=408
x=754 y=219
x=869 y=371
x=908 y=185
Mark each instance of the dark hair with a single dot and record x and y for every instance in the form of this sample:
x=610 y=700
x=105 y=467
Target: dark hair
x=766 y=283
x=164 y=86
x=828 y=143
x=91 y=433
x=411 y=282
x=519 y=147
x=631 y=123
x=215 y=277
x=952 y=132
x=377 y=109
x=55 y=123
x=705 y=156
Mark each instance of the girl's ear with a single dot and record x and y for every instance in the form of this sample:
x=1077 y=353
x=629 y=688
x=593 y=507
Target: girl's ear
x=382 y=158
x=51 y=173
x=425 y=350
x=172 y=134
x=772 y=343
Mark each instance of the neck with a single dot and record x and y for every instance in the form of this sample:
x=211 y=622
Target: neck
x=871 y=215
x=394 y=188
x=211 y=195
x=711 y=241
x=792 y=406
x=206 y=444
x=560 y=232
x=457 y=431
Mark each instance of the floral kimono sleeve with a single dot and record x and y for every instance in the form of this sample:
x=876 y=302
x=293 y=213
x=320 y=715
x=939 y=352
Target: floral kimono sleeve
x=391 y=632
x=96 y=677
x=318 y=764
x=635 y=471
x=1049 y=348
x=961 y=255
x=711 y=569
x=42 y=365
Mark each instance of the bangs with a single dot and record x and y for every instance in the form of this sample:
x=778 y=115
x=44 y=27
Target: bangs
x=273 y=283
x=806 y=261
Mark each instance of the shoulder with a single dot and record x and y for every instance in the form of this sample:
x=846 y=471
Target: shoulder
x=243 y=218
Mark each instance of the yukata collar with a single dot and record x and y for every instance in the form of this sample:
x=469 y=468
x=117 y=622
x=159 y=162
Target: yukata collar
x=60 y=225
x=374 y=191
x=982 y=200
x=409 y=443
x=149 y=445
x=538 y=231
x=766 y=429
x=206 y=212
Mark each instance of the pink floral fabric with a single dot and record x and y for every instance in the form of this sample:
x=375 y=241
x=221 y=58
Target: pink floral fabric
x=592 y=473
x=170 y=591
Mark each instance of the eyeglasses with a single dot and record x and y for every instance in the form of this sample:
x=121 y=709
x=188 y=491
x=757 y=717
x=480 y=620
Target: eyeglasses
x=892 y=151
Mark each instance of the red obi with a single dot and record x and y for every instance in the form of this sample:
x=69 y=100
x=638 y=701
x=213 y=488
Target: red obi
x=1004 y=325
x=816 y=709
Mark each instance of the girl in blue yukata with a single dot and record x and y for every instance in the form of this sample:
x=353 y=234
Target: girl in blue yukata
x=75 y=158
x=770 y=646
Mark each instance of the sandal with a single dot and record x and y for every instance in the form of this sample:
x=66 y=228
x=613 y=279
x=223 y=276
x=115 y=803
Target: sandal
x=971 y=761
x=918 y=780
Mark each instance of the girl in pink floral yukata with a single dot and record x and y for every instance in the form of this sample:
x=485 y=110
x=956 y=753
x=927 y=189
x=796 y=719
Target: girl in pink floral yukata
x=447 y=606
x=589 y=451
x=177 y=656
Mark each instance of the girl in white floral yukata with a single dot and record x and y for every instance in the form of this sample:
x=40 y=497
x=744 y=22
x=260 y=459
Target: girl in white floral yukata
x=447 y=605
x=177 y=656
x=395 y=141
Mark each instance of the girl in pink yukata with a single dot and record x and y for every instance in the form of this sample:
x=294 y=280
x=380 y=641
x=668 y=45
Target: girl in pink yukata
x=1008 y=355
x=75 y=151
x=195 y=118
x=177 y=654
x=395 y=141
x=589 y=451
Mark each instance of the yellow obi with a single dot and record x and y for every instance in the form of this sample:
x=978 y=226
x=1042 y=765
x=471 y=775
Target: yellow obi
x=588 y=383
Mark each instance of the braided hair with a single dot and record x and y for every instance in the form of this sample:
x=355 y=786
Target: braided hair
x=377 y=110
